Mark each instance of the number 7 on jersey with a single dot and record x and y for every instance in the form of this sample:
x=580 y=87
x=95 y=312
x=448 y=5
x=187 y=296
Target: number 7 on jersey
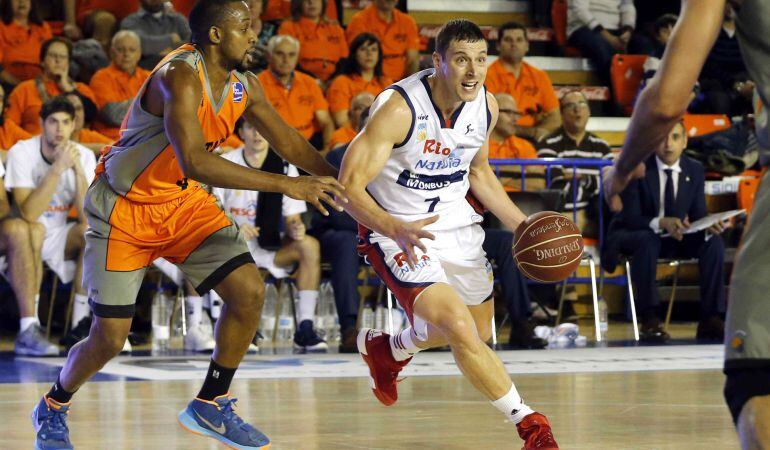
x=433 y=202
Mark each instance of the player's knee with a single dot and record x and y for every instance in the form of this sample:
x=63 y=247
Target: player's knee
x=14 y=229
x=485 y=332
x=310 y=249
x=108 y=339
x=253 y=297
x=458 y=330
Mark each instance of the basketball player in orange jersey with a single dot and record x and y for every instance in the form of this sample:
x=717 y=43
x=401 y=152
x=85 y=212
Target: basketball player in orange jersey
x=147 y=202
x=660 y=107
x=408 y=175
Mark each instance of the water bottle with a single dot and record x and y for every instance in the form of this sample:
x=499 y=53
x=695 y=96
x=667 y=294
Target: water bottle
x=603 y=318
x=381 y=317
x=285 y=319
x=161 y=313
x=331 y=319
x=321 y=311
x=267 y=323
x=367 y=316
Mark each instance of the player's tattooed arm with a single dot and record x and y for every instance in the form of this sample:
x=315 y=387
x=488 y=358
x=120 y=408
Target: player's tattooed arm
x=485 y=185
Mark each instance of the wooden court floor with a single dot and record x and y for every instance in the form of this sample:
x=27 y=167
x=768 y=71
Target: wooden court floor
x=632 y=410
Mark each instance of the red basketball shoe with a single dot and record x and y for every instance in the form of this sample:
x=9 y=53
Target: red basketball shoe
x=374 y=347
x=536 y=432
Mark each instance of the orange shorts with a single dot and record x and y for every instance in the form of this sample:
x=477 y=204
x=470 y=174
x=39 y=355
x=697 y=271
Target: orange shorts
x=125 y=237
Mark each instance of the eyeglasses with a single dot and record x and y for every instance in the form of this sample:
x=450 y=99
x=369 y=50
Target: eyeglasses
x=576 y=106
x=510 y=111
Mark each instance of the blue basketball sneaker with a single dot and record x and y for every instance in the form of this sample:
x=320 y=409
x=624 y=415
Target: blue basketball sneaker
x=50 y=421
x=217 y=419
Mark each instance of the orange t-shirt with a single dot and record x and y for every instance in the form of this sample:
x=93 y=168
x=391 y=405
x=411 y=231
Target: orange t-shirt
x=297 y=105
x=10 y=133
x=342 y=136
x=20 y=48
x=111 y=85
x=119 y=9
x=396 y=37
x=344 y=87
x=281 y=9
x=321 y=44
x=24 y=103
x=93 y=137
x=533 y=90
x=513 y=147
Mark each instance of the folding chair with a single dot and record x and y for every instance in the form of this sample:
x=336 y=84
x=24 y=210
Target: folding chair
x=626 y=73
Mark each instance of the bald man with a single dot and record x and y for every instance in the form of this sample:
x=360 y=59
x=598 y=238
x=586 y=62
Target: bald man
x=346 y=134
x=504 y=144
x=116 y=85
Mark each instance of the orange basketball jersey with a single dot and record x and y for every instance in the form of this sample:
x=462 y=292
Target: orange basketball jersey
x=142 y=165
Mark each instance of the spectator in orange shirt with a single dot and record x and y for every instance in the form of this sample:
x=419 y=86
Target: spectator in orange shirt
x=295 y=95
x=26 y=100
x=504 y=144
x=116 y=85
x=95 y=18
x=529 y=85
x=277 y=10
x=92 y=140
x=22 y=32
x=321 y=41
x=344 y=135
x=360 y=72
x=397 y=32
x=10 y=133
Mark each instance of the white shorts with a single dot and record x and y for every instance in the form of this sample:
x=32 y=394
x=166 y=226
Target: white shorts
x=455 y=257
x=54 y=244
x=265 y=259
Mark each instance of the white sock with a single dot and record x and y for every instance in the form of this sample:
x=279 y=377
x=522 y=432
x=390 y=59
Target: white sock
x=194 y=306
x=306 y=307
x=402 y=345
x=26 y=322
x=80 y=308
x=512 y=405
x=37 y=304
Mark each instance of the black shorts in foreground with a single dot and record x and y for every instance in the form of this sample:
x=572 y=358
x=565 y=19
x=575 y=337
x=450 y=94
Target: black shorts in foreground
x=743 y=383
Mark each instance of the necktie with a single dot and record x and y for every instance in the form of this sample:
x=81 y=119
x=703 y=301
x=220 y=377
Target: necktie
x=668 y=204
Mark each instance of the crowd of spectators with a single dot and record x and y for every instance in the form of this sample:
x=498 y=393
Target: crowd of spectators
x=321 y=76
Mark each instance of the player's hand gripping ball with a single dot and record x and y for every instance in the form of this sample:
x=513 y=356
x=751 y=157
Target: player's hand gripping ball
x=547 y=247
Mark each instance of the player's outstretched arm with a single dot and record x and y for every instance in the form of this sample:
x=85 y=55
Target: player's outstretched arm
x=284 y=139
x=178 y=91
x=664 y=100
x=364 y=160
x=485 y=185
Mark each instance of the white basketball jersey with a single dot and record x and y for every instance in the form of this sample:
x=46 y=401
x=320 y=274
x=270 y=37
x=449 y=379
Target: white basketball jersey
x=427 y=174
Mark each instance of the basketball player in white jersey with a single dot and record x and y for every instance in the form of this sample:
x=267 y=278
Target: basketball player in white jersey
x=411 y=176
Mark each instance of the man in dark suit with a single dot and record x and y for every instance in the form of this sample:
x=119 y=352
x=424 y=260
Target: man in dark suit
x=664 y=203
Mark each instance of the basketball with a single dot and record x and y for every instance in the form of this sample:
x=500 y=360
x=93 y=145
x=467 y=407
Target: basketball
x=547 y=247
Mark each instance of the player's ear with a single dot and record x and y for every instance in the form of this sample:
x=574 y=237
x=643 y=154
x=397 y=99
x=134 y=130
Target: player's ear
x=436 y=60
x=215 y=35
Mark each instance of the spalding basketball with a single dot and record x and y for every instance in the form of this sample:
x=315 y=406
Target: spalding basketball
x=547 y=247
